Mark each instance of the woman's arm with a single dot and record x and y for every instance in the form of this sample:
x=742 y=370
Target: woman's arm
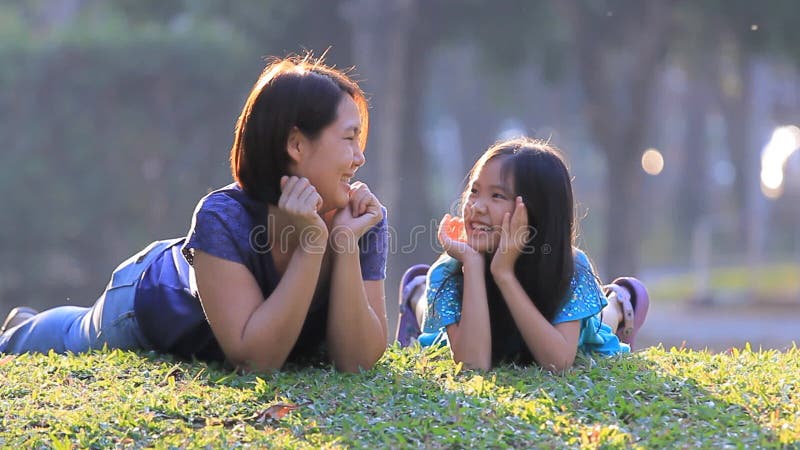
x=553 y=346
x=254 y=333
x=356 y=329
x=471 y=337
x=356 y=315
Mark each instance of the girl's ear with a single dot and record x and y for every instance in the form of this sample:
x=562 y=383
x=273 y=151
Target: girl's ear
x=294 y=145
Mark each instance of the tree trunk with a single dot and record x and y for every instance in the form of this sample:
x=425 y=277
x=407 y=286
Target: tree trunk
x=384 y=41
x=618 y=107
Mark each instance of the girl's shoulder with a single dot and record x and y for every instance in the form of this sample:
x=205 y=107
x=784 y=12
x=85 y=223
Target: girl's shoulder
x=582 y=261
x=585 y=296
x=444 y=266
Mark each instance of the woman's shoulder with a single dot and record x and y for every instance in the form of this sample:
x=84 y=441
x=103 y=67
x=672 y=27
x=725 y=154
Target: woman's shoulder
x=229 y=202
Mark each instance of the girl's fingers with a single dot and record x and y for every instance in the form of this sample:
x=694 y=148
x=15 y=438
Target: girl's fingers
x=520 y=217
x=506 y=222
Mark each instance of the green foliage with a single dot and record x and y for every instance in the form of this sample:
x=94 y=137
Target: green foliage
x=112 y=134
x=413 y=398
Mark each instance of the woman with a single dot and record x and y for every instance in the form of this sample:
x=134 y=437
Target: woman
x=283 y=264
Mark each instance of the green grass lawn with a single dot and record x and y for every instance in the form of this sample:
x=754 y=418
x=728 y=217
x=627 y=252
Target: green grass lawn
x=413 y=398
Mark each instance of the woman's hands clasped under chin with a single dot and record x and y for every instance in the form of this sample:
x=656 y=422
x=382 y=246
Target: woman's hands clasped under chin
x=362 y=212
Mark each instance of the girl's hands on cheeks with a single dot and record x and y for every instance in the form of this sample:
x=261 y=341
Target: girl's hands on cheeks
x=362 y=212
x=300 y=201
x=514 y=234
x=451 y=236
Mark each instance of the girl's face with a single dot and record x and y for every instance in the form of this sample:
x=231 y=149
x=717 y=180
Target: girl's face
x=331 y=160
x=488 y=199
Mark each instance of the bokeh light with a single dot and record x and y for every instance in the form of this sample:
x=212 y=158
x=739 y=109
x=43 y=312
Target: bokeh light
x=784 y=142
x=652 y=161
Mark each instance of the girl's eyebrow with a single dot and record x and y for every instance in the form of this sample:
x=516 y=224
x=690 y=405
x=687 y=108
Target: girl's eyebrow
x=499 y=188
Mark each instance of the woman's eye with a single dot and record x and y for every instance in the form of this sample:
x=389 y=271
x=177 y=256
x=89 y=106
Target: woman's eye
x=350 y=138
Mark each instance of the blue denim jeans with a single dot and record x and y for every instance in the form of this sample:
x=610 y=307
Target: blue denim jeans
x=111 y=321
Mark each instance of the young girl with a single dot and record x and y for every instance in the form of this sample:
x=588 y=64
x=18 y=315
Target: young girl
x=283 y=263
x=511 y=286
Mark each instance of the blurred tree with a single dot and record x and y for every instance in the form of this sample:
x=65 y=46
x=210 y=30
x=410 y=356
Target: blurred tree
x=619 y=47
x=749 y=30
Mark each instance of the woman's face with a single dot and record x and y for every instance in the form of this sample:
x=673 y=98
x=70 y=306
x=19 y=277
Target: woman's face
x=331 y=160
x=489 y=198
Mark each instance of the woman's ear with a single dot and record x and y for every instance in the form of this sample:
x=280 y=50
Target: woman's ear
x=294 y=145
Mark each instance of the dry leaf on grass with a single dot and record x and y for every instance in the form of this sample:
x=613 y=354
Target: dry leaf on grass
x=276 y=411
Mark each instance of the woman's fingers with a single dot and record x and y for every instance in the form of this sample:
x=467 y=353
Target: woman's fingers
x=299 y=196
x=307 y=199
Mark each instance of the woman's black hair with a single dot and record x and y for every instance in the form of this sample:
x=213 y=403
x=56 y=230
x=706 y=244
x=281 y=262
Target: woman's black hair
x=292 y=92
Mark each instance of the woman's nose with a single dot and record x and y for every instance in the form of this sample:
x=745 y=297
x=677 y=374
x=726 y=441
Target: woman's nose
x=358 y=158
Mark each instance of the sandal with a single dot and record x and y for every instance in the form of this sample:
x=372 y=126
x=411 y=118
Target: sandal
x=634 y=311
x=16 y=316
x=408 y=328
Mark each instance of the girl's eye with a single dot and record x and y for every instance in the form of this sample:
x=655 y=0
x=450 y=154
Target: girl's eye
x=473 y=191
x=500 y=196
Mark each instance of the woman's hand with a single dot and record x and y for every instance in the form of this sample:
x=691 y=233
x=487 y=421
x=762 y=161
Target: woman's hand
x=362 y=212
x=514 y=234
x=300 y=201
x=452 y=238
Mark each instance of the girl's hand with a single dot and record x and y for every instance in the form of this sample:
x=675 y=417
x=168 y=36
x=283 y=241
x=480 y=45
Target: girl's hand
x=514 y=234
x=452 y=238
x=362 y=212
x=300 y=201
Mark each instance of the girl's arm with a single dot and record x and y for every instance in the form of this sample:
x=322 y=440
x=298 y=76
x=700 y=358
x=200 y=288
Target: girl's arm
x=356 y=315
x=254 y=333
x=471 y=337
x=553 y=346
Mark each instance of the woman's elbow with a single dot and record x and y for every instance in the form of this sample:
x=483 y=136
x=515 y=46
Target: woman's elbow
x=365 y=362
x=473 y=363
x=559 y=366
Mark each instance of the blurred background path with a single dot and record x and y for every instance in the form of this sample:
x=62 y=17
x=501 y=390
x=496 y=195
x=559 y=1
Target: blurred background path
x=719 y=328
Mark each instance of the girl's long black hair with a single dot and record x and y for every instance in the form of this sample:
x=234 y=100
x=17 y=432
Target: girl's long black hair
x=545 y=268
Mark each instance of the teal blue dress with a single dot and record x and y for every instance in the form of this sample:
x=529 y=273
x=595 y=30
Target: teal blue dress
x=585 y=300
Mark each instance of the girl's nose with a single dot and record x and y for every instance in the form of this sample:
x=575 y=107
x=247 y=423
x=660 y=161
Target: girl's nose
x=478 y=206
